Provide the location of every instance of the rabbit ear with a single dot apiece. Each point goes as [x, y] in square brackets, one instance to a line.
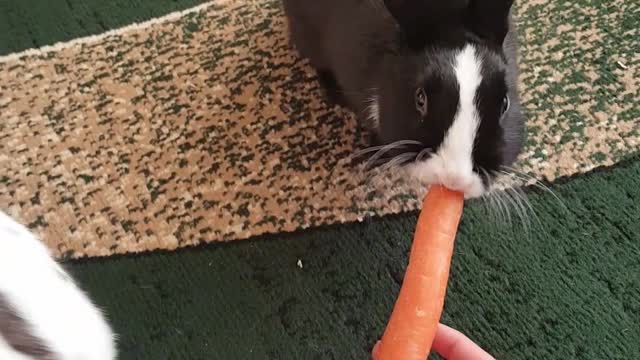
[424, 21]
[489, 19]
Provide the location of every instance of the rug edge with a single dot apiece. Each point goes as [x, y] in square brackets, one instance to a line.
[61, 45]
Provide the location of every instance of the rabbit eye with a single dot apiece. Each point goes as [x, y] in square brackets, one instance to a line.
[421, 101]
[505, 105]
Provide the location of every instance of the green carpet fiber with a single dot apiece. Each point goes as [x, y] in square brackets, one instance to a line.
[34, 23]
[569, 289]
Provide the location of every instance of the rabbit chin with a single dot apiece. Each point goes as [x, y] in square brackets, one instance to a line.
[433, 171]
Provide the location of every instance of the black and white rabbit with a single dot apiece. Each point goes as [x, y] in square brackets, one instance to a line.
[43, 313]
[434, 81]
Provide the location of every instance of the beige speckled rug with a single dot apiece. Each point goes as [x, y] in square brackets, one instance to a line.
[205, 126]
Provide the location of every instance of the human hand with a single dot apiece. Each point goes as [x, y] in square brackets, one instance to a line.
[451, 344]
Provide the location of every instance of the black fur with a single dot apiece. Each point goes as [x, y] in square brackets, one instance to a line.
[392, 47]
[430, 22]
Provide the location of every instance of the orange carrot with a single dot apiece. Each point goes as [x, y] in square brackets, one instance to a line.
[415, 317]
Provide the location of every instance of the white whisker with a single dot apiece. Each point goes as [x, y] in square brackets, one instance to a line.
[528, 179]
[400, 159]
[489, 203]
[520, 210]
[368, 150]
[504, 208]
[526, 201]
[386, 148]
[423, 154]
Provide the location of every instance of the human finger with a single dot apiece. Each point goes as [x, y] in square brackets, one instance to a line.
[454, 345]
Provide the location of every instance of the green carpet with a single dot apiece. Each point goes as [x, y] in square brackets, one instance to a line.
[567, 290]
[35, 23]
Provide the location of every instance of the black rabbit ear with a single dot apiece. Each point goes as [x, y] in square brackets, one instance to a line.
[422, 20]
[490, 19]
[411, 22]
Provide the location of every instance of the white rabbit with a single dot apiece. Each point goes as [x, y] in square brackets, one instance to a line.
[43, 313]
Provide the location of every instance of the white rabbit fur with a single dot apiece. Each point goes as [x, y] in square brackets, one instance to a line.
[42, 294]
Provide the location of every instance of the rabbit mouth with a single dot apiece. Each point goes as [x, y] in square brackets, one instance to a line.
[430, 168]
[436, 170]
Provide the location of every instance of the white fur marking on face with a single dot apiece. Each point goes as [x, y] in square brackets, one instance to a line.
[457, 147]
[452, 165]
